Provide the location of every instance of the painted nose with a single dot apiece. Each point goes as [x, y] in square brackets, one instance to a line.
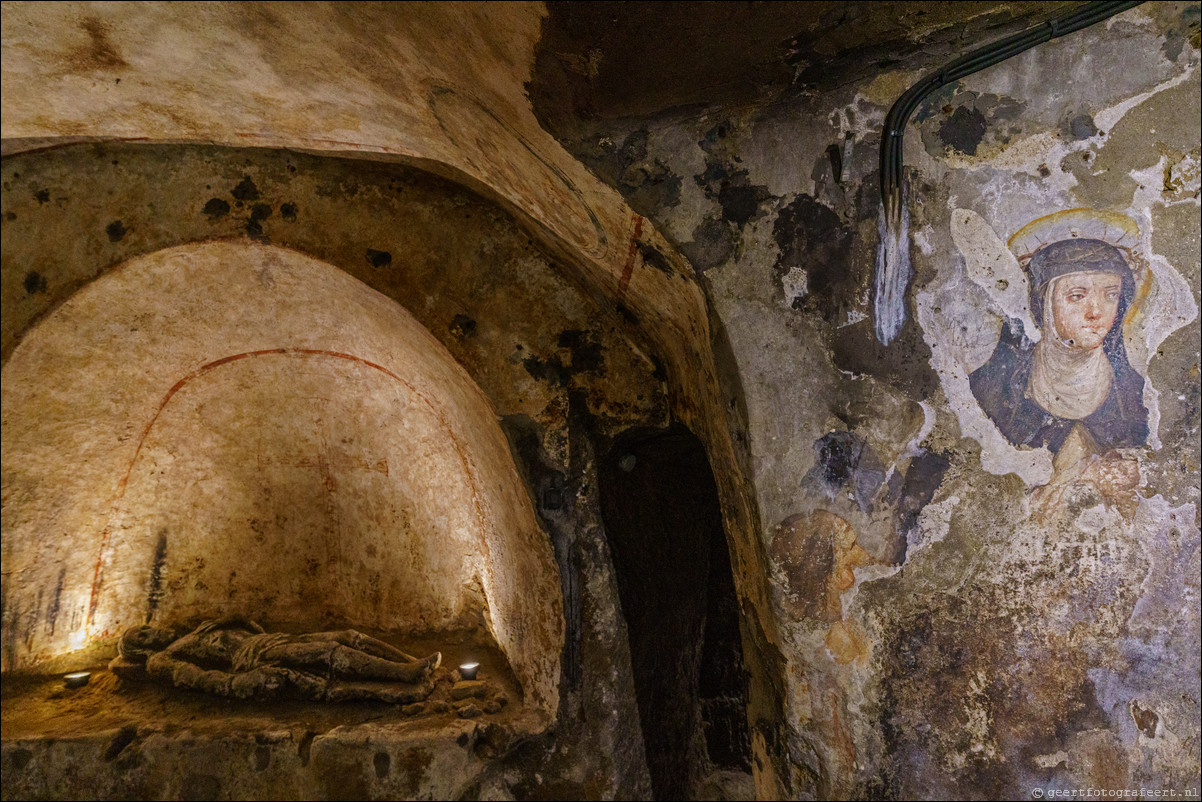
[1093, 309]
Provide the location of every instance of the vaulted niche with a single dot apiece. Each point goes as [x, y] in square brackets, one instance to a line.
[229, 427]
[663, 520]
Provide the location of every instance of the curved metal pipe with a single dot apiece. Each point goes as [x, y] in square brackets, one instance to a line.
[895, 122]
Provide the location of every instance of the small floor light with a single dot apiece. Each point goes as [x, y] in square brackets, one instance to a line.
[468, 670]
[77, 679]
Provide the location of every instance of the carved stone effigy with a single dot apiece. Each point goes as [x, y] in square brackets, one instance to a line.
[237, 658]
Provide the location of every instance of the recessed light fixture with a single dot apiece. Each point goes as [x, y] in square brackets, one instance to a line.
[77, 679]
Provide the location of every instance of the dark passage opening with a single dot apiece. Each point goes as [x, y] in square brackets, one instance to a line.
[660, 506]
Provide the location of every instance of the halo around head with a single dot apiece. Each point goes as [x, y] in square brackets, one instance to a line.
[1117, 229]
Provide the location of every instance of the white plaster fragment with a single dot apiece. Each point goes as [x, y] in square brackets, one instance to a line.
[853, 316]
[993, 268]
[1051, 760]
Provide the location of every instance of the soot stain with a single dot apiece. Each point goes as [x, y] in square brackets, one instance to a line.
[1081, 127]
[378, 259]
[462, 327]
[116, 231]
[963, 130]
[586, 351]
[34, 282]
[550, 370]
[99, 53]
[730, 186]
[845, 461]
[154, 590]
[246, 190]
[216, 208]
[288, 212]
[653, 258]
[254, 225]
[646, 183]
[712, 244]
[55, 603]
[810, 235]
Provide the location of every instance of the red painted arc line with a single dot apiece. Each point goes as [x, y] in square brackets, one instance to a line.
[628, 268]
[119, 494]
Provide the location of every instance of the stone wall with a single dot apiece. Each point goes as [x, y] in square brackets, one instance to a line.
[961, 615]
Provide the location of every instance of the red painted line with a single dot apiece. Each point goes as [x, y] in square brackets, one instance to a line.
[628, 268]
[106, 535]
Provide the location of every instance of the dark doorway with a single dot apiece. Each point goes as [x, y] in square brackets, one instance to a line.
[660, 506]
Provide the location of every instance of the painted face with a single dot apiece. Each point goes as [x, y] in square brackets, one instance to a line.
[1084, 306]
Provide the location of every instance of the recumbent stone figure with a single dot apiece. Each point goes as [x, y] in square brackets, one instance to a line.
[235, 657]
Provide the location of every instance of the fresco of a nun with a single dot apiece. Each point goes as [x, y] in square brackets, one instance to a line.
[1075, 385]
[1042, 344]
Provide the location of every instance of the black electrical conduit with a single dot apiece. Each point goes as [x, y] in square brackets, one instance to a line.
[977, 60]
[893, 255]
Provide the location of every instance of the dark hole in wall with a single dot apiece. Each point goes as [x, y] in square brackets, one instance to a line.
[659, 503]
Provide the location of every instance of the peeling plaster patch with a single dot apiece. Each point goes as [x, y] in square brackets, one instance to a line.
[964, 123]
[1006, 195]
[885, 89]
[846, 464]
[979, 725]
[1047, 148]
[1106, 119]
[1146, 719]
[1167, 592]
[922, 238]
[796, 284]
[913, 448]
[1092, 521]
[1171, 304]
[933, 524]
[865, 115]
